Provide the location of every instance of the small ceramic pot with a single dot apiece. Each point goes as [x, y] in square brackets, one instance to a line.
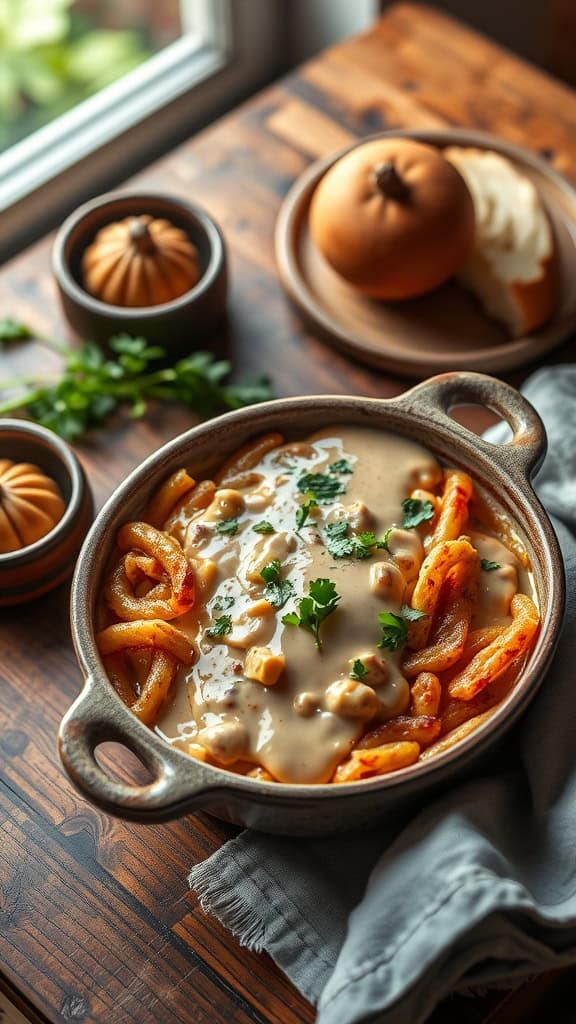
[33, 570]
[179, 326]
[181, 784]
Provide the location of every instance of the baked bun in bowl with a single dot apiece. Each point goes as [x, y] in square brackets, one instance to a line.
[394, 218]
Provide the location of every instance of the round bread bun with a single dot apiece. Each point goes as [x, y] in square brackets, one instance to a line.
[394, 218]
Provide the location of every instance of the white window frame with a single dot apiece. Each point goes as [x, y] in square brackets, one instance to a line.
[233, 49]
[180, 66]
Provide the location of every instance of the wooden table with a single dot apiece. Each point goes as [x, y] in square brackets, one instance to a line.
[96, 920]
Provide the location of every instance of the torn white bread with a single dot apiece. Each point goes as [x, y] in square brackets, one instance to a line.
[512, 271]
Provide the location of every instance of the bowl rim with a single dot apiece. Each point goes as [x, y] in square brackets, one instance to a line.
[74, 291]
[219, 780]
[70, 462]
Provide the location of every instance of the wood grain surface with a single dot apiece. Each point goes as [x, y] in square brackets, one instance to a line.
[96, 920]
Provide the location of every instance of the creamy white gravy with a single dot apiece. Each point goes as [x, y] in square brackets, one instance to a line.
[287, 728]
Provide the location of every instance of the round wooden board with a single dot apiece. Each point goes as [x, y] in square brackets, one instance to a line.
[446, 329]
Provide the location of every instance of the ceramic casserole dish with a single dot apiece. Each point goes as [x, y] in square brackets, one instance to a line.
[181, 784]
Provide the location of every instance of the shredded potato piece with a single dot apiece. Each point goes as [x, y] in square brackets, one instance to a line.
[140, 567]
[450, 630]
[479, 638]
[455, 712]
[156, 688]
[433, 572]
[453, 516]
[120, 678]
[451, 738]
[363, 764]
[497, 522]
[148, 633]
[186, 509]
[426, 692]
[162, 503]
[130, 605]
[246, 458]
[489, 664]
[153, 692]
[421, 729]
[166, 600]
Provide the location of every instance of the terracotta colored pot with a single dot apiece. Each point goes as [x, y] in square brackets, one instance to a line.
[181, 325]
[33, 570]
[181, 784]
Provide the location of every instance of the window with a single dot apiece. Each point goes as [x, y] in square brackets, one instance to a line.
[56, 55]
[105, 86]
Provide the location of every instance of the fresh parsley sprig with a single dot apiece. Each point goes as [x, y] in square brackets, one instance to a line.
[416, 512]
[277, 591]
[489, 566]
[303, 511]
[342, 544]
[367, 542]
[337, 539]
[221, 627]
[322, 601]
[94, 384]
[358, 670]
[228, 527]
[325, 489]
[263, 527]
[395, 627]
[222, 604]
[340, 466]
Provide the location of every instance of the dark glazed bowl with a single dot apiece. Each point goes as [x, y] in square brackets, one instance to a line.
[37, 568]
[180, 325]
[181, 784]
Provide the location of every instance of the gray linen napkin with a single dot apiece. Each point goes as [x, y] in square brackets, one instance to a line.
[478, 887]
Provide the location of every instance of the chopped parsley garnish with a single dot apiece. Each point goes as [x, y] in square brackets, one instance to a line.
[341, 466]
[314, 609]
[271, 572]
[367, 541]
[221, 627]
[222, 604]
[228, 526]
[263, 527]
[277, 591]
[325, 489]
[358, 670]
[303, 511]
[341, 544]
[416, 512]
[489, 566]
[394, 631]
[395, 627]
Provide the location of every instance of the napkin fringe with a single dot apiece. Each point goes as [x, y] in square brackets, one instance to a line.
[231, 910]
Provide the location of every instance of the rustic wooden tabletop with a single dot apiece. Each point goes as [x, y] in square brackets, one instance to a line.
[96, 920]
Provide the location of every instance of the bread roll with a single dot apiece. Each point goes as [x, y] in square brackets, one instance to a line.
[393, 217]
[513, 268]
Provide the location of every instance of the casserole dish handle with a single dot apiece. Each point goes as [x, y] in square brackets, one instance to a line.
[97, 716]
[522, 455]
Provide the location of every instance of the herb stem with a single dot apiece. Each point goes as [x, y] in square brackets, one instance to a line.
[14, 404]
[56, 346]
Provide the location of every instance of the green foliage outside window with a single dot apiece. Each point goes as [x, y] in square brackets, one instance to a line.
[53, 57]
